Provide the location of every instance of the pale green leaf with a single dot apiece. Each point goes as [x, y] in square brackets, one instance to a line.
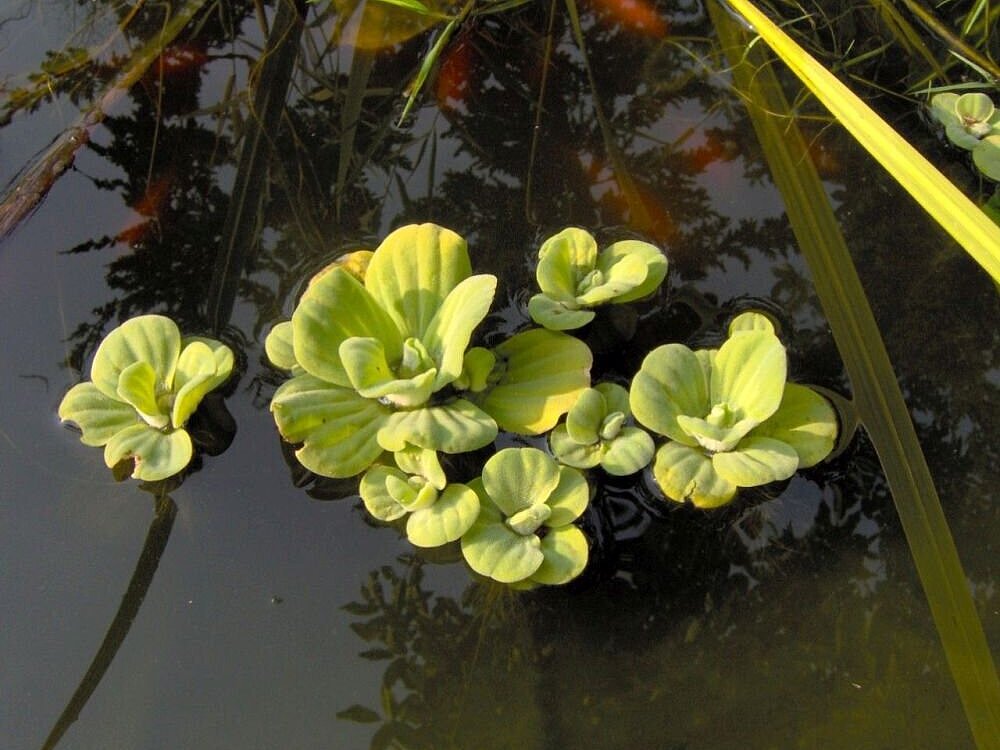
[152, 339]
[455, 427]
[157, 455]
[583, 421]
[974, 106]
[137, 386]
[97, 415]
[201, 368]
[544, 372]
[756, 461]
[528, 520]
[653, 259]
[337, 427]
[961, 137]
[716, 437]
[563, 260]
[413, 271]
[618, 277]
[564, 556]
[517, 478]
[477, 366]
[279, 347]
[364, 361]
[751, 321]
[555, 315]
[493, 550]
[333, 309]
[453, 514]
[986, 156]
[685, 473]
[569, 452]
[569, 498]
[943, 108]
[748, 374]
[615, 398]
[450, 330]
[631, 451]
[421, 462]
[376, 496]
[806, 421]
[671, 382]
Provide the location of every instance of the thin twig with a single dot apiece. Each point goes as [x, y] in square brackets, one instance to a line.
[34, 182]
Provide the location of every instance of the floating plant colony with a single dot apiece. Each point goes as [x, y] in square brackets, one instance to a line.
[384, 384]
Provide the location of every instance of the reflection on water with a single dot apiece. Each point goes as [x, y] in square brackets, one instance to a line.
[790, 619]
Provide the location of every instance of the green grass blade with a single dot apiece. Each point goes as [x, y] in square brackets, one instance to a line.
[879, 401]
[426, 66]
[958, 215]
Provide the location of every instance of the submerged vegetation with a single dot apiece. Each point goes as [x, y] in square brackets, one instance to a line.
[424, 389]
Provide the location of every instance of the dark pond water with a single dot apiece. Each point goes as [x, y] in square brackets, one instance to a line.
[275, 614]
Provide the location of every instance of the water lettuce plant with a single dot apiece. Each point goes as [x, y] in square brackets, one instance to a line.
[730, 417]
[436, 512]
[146, 380]
[595, 433]
[971, 121]
[524, 533]
[372, 347]
[574, 277]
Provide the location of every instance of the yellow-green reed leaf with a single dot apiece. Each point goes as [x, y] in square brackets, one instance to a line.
[956, 214]
[426, 66]
[412, 5]
[880, 403]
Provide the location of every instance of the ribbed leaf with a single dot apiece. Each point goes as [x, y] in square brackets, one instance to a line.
[879, 401]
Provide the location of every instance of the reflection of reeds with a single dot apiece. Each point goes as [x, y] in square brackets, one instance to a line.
[142, 577]
[34, 182]
[879, 401]
[239, 235]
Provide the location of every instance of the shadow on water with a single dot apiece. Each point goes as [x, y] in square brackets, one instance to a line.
[788, 619]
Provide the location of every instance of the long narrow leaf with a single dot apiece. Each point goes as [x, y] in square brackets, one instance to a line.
[879, 401]
[958, 215]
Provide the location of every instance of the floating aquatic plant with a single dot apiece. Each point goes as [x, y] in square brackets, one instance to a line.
[536, 377]
[373, 344]
[145, 382]
[971, 121]
[595, 433]
[574, 277]
[524, 533]
[436, 512]
[731, 418]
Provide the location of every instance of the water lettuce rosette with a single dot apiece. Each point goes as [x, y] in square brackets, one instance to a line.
[574, 277]
[373, 350]
[145, 383]
[596, 432]
[972, 122]
[416, 488]
[524, 533]
[730, 417]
